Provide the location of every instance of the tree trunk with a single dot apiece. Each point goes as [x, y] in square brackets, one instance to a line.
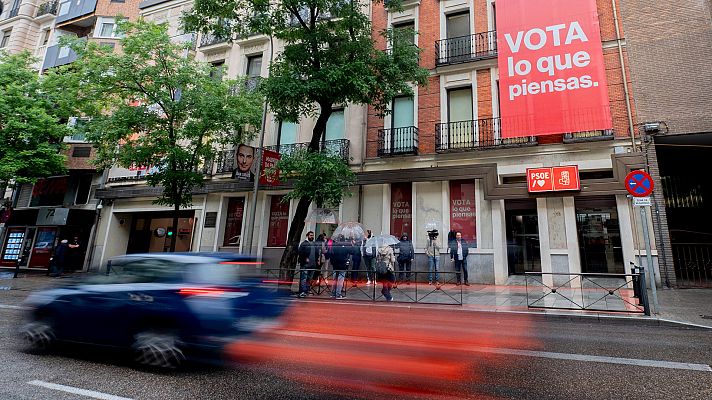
[174, 238]
[288, 263]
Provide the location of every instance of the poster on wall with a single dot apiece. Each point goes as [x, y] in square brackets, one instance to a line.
[245, 168]
[402, 209]
[233, 223]
[278, 222]
[463, 216]
[269, 160]
[551, 68]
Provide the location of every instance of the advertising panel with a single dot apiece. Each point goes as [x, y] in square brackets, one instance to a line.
[278, 222]
[402, 209]
[462, 209]
[551, 68]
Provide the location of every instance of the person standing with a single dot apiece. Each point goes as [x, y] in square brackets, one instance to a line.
[308, 254]
[405, 258]
[60, 258]
[369, 254]
[340, 250]
[355, 259]
[385, 270]
[459, 250]
[432, 250]
[74, 259]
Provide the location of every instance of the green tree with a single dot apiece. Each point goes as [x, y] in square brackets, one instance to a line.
[162, 108]
[330, 58]
[32, 122]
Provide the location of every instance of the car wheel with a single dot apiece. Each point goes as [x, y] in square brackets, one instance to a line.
[160, 349]
[39, 336]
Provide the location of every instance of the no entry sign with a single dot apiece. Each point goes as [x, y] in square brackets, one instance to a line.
[639, 183]
[553, 179]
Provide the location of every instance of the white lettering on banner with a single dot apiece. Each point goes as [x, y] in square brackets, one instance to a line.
[536, 39]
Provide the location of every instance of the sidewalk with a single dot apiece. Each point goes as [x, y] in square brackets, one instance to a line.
[690, 306]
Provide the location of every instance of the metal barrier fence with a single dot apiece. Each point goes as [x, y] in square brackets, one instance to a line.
[323, 281]
[588, 291]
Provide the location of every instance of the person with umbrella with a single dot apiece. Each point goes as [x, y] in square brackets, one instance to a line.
[339, 255]
[405, 258]
[369, 254]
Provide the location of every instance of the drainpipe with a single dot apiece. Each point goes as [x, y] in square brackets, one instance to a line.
[624, 75]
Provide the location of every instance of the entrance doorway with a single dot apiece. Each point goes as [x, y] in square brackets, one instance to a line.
[523, 248]
[599, 235]
[152, 232]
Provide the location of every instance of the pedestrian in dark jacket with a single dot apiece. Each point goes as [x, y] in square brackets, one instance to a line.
[405, 258]
[308, 255]
[60, 258]
[459, 249]
[339, 256]
[355, 259]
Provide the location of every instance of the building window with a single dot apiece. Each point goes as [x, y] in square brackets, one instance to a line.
[83, 189]
[278, 222]
[45, 36]
[460, 128]
[64, 7]
[106, 28]
[233, 223]
[402, 209]
[406, 27]
[287, 133]
[81, 151]
[218, 67]
[254, 66]
[459, 44]
[462, 210]
[5, 38]
[335, 127]
[63, 52]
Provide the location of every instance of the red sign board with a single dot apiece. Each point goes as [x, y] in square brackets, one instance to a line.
[639, 183]
[278, 222]
[462, 209]
[552, 72]
[269, 160]
[553, 179]
[401, 209]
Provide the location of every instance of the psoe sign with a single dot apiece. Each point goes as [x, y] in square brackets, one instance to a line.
[553, 179]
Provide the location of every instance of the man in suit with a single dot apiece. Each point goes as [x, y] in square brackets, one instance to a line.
[459, 250]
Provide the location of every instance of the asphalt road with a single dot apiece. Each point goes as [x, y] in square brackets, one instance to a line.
[342, 351]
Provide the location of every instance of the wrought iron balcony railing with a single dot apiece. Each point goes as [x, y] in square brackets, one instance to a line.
[461, 49]
[210, 39]
[49, 7]
[398, 141]
[588, 136]
[338, 147]
[226, 161]
[478, 134]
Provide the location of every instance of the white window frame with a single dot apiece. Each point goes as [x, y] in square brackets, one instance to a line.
[106, 20]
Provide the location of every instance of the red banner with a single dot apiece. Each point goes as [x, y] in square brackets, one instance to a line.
[462, 209]
[278, 222]
[269, 160]
[553, 179]
[552, 72]
[402, 209]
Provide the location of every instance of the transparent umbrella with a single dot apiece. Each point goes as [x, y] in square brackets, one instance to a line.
[322, 216]
[350, 230]
[379, 241]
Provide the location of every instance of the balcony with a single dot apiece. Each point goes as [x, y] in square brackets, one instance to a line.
[588, 136]
[74, 10]
[337, 147]
[58, 55]
[210, 40]
[226, 162]
[47, 9]
[398, 141]
[479, 134]
[462, 49]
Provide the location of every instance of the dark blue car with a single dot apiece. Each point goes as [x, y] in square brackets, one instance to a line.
[165, 308]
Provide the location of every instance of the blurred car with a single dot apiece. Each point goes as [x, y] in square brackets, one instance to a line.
[165, 308]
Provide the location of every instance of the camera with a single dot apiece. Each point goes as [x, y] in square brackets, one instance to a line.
[433, 234]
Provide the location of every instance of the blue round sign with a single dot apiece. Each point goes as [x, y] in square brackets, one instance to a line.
[639, 183]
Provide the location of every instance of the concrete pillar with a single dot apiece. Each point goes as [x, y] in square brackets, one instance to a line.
[544, 244]
[499, 231]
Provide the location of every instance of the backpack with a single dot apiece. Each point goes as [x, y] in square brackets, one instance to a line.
[381, 265]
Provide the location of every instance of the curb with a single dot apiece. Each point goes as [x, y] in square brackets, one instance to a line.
[563, 316]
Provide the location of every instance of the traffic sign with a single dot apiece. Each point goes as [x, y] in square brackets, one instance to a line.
[642, 202]
[639, 183]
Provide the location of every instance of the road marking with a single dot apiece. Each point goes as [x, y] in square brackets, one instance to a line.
[74, 390]
[11, 307]
[519, 352]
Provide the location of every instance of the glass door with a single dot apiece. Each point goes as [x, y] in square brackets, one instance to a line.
[599, 240]
[523, 248]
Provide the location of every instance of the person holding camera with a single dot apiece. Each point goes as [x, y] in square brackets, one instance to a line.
[432, 250]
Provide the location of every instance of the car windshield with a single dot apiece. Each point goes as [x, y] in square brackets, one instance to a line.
[141, 271]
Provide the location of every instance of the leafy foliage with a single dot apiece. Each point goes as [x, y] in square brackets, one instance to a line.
[33, 122]
[161, 108]
[317, 176]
